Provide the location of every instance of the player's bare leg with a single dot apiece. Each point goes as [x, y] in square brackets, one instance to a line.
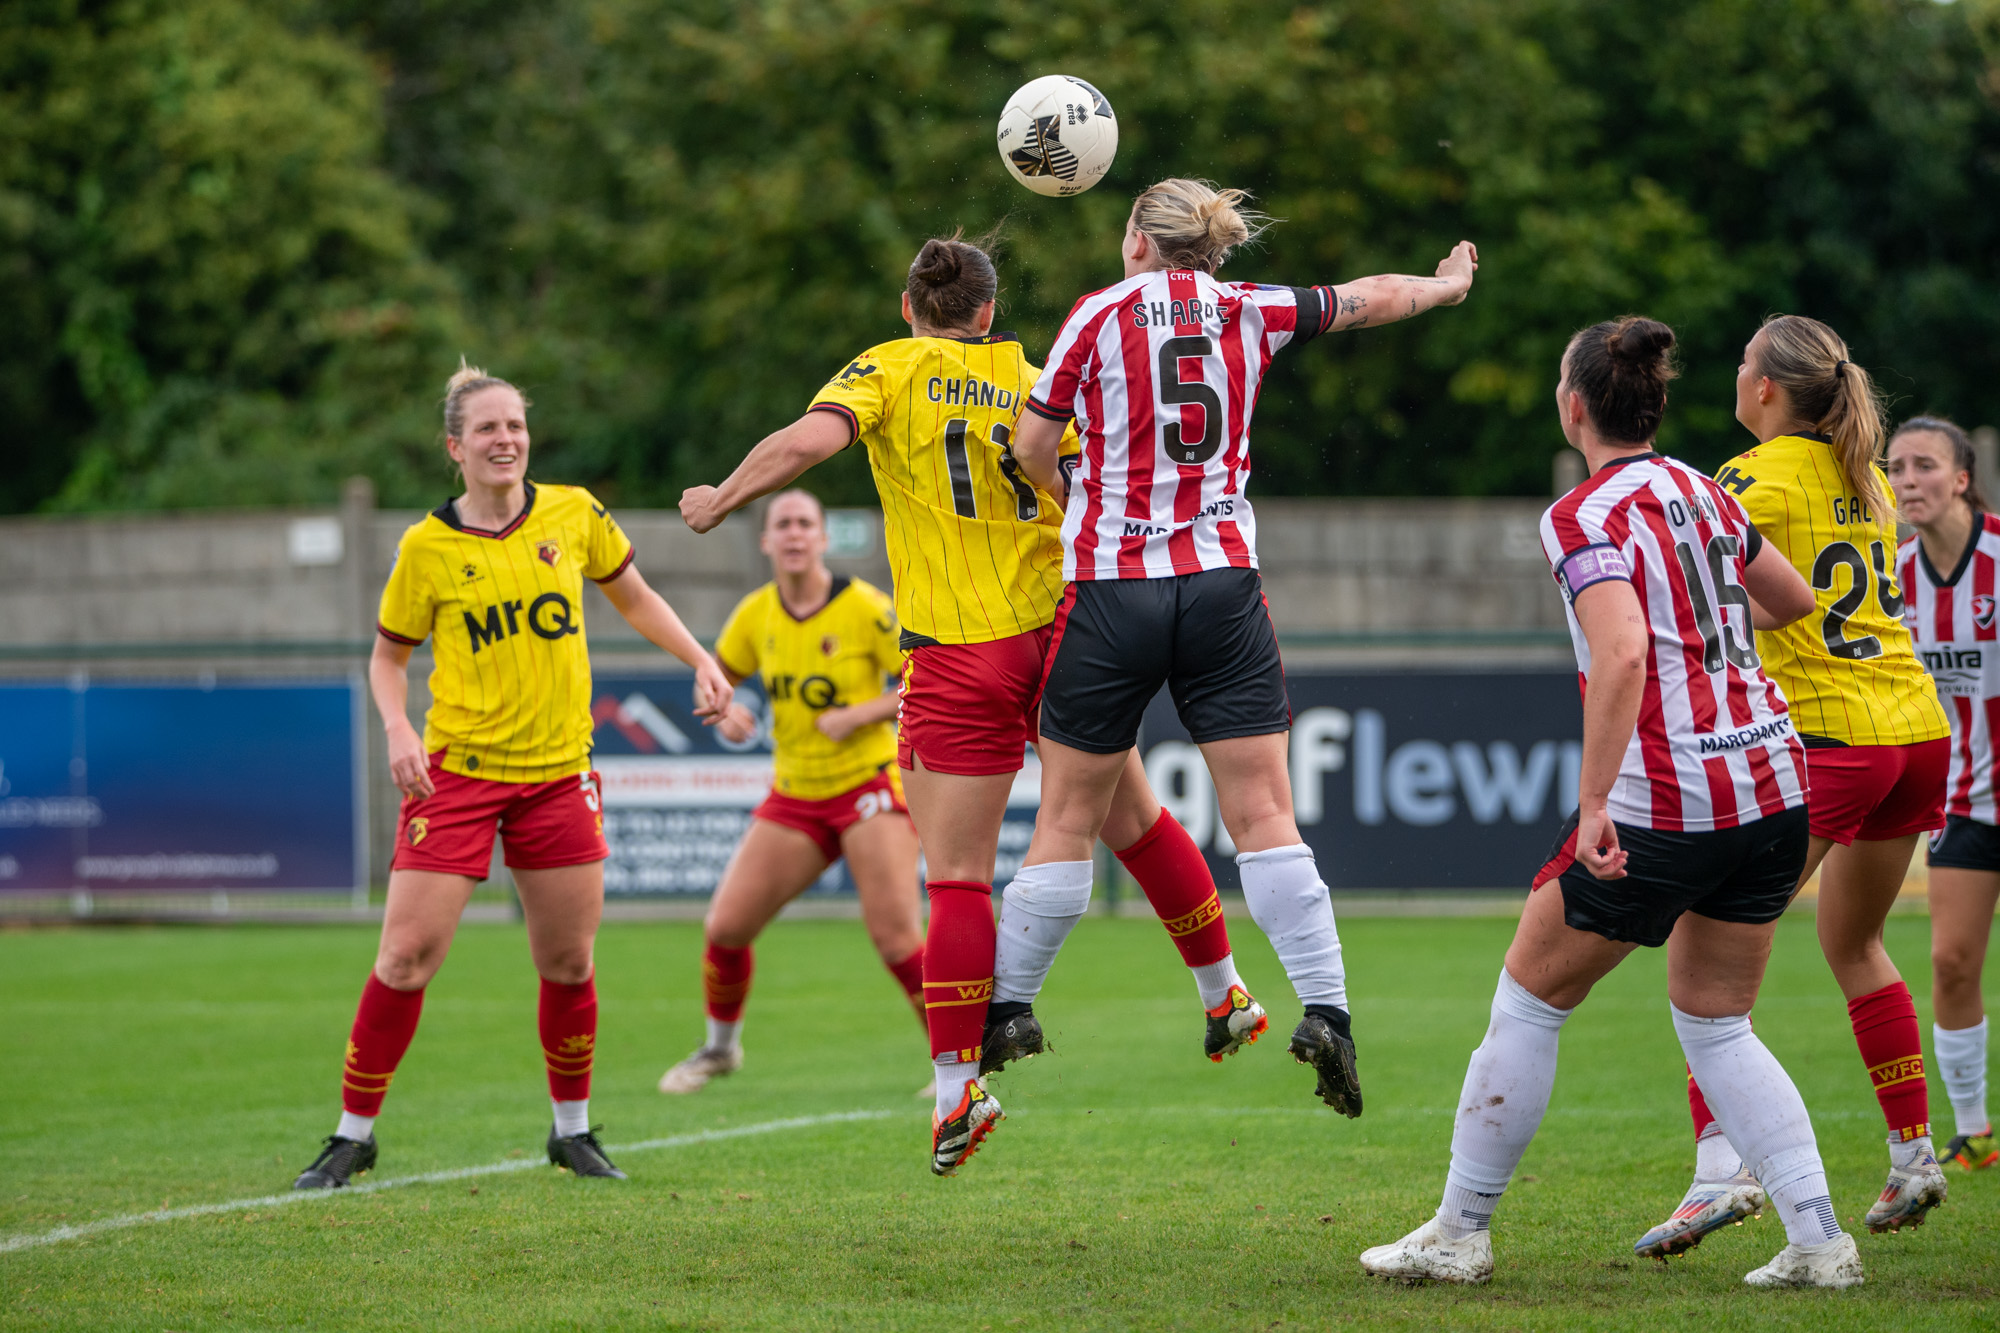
[1962, 905]
[881, 855]
[772, 865]
[957, 819]
[1858, 886]
[1289, 902]
[563, 906]
[418, 923]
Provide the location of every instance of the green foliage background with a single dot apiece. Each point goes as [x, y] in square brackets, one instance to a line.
[242, 244]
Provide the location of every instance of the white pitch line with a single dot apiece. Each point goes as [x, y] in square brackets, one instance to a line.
[29, 1240]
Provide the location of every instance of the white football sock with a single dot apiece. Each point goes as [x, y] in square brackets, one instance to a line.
[1915, 1152]
[360, 1128]
[1506, 1093]
[951, 1077]
[572, 1118]
[1715, 1157]
[1213, 980]
[1961, 1059]
[1037, 910]
[1760, 1109]
[723, 1036]
[1289, 902]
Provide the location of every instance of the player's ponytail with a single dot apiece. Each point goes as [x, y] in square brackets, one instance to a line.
[464, 382]
[1809, 362]
[1193, 225]
[1621, 369]
[1964, 458]
[950, 279]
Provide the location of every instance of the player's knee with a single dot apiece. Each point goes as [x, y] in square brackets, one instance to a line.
[726, 934]
[1952, 966]
[407, 967]
[570, 967]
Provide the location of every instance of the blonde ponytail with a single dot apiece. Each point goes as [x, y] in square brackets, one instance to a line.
[1809, 362]
[1193, 225]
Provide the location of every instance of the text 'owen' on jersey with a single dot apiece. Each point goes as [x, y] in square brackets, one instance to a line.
[1161, 374]
[1714, 746]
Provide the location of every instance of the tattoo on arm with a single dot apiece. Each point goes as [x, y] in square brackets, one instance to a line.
[1350, 304]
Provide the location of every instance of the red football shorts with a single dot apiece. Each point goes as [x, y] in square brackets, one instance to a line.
[1873, 793]
[970, 708]
[542, 825]
[825, 820]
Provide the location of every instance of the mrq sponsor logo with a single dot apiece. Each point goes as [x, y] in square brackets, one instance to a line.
[1346, 765]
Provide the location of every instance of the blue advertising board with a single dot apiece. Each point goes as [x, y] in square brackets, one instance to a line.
[1411, 780]
[237, 785]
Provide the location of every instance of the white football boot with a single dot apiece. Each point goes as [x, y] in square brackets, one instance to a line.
[1833, 1263]
[693, 1073]
[1707, 1206]
[1910, 1194]
[1428, 1255]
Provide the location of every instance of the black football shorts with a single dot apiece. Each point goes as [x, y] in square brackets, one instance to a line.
[1966, 844]
[1746, 874]
[1207, 637]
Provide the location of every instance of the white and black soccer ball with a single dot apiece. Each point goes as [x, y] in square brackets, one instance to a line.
[1058, 135]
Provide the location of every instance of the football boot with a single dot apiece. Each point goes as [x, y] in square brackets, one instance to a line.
[581, 1154]
[693, 1073]
[954, 1138]
[1972, 1152]
[1910, 1193]
[1833, 1263]
[1012, 1033]
[340, 1161]
[1324, 1041]
[1233, 1024]
[1428, 1255]
[1709, 1205]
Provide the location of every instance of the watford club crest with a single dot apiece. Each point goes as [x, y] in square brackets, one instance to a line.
[549, 553]
[1982, 610]
[829, 645]
[419, 828]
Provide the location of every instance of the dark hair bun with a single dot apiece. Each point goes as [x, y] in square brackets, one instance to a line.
[1639, 340]
[938, 264]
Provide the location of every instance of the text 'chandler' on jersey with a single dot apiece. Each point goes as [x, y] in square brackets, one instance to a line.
[1161, 374]
[974, 548]
[1847, 669]
[510, 694]
[841, 654]
[1951, 618]
[1714, 747]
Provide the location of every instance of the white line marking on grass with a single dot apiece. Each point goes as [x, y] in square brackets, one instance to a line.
[29, 1240]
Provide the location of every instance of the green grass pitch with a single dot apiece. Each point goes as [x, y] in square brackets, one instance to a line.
[1133, 1186]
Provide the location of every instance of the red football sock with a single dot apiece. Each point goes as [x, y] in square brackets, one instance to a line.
[1885, 1028]
[958, 966]
[569, 1037]
[383, 1025]
[725, 981]
[909, 973]
[1698, 1107]
[1174, 875]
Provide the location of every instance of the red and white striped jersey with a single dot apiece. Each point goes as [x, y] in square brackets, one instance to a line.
[1951, 619]
[1161, 374]
[1714, 746]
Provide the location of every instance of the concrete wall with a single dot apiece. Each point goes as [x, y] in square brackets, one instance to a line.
[293, 593]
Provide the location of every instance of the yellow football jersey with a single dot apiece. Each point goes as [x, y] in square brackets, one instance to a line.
[975, 549]
[1848, 669]
[510, 694]
[841, 654]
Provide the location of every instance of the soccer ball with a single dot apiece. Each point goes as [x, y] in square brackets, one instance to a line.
[1058, 135]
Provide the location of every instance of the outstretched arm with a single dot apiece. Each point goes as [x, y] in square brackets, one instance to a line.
[778, 460]
[646, 611]
[1388, 297]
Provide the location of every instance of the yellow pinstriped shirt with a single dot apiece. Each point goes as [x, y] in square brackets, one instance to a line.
[975, 549]
[1848, 669]
[841, 654]
[510, 694]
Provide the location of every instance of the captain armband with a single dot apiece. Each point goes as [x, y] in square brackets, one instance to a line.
[1593, 564]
